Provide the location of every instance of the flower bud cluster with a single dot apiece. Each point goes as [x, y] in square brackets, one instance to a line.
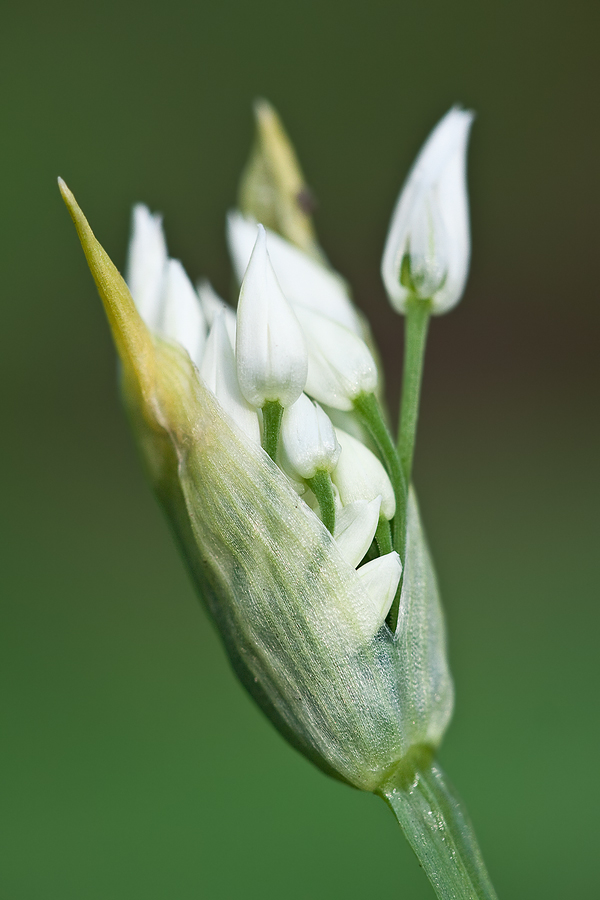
[264, 438]
[297, 347]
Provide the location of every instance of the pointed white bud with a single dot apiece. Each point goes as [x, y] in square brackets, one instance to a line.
[271, 353]
[360, 476]
[182, 318]
[212, 305]
[308, 438]
[146, 261]
[355, 527]
[218, 372]
[379, 580]
[428, 245]
[303, 280]
[340, 365]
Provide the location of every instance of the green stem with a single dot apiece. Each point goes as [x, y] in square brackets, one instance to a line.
[322, 488]
[368, 408]
[415, 336]
[272, 413]
[437, 827]
[383, 537]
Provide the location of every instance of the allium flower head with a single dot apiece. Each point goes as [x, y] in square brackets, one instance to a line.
[263, 436]
[305, 627]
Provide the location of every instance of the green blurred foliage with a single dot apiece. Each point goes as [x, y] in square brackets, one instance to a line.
[131, 763]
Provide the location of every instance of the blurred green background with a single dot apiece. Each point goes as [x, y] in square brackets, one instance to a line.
[132, 765]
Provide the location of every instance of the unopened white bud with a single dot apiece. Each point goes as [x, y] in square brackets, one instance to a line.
[340, 365]
[218, 372]
[359, 475]
[182, 318]
[308, 438]
[355, 527]
[146, 261]
[303, 280]
[271, 353]
[428, 245]
[379, 580]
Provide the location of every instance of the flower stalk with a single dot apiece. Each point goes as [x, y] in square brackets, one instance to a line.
[322, 488]
[437, 827]
[368, 408]
[418, 313]
[272, 414]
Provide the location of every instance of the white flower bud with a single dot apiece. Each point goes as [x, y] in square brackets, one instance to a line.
[355, 527]
[271, 353]
[340, 365]
[218, 371]
[303, 280]
[308, 438]
[182, 318]
[146, 261]
[428, 245]
[212, 305]
[379, 579]
[360, 476]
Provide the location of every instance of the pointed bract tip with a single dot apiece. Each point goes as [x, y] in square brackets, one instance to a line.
[74, 209]
[131, 336]
[262, 108]
[65, 192]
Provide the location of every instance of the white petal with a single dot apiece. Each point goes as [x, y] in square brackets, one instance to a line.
[355, 527]
[308, 438]
[340, 365]
[379, 579]
[454, 206]
[146, 261]
[271, 353]
[303, 280]
[359, 475]
[432, 209]
[212, 305]
[182, 316]
[218, 372]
